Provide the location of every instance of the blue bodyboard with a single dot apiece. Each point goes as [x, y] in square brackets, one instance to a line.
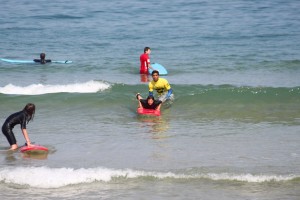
[32, 62]
[161, 69]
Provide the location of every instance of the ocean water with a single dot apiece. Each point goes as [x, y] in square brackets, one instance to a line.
[232, 132]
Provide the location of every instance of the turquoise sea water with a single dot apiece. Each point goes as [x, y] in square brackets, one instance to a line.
[232, 131]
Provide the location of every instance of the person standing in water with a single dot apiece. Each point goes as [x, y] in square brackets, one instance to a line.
[22, 117]
[145, 61]
[161, 86]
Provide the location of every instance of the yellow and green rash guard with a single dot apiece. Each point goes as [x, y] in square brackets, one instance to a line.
[161, 86]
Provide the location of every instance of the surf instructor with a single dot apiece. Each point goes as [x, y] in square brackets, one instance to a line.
[145, 61]
[22, 117]
[161, 86]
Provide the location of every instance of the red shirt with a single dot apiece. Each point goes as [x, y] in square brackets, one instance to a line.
[145, 61]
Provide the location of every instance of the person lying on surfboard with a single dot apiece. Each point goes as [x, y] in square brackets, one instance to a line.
[161, 86]
[22, 117]
[149, 103]
[42, 59]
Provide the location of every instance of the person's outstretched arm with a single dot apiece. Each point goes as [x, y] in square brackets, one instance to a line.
[24, 131]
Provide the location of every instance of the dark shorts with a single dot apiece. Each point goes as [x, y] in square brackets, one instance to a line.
[7, 131]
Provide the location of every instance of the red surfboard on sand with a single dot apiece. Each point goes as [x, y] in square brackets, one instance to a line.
[144, 111]
[34, 149]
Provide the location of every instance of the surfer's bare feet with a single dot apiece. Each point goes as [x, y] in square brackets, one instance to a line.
[13, 147]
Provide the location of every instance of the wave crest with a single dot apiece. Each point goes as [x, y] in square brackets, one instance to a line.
[60, 177]
[38, 89]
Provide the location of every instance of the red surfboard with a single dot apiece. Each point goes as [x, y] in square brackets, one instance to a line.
[144, 111]
[34, 149]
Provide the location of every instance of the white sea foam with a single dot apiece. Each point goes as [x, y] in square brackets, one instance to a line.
[250, 177]
[38, 89]
[60, 177]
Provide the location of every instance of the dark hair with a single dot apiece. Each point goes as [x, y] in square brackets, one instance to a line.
[150, 97]
[42, 55]
[155, 72]
[146, 49]
[30, 110]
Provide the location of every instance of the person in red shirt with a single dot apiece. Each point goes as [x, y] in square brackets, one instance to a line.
[145, 61]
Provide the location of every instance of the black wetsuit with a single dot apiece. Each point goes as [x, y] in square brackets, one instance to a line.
[42, 62]
[145, 104]
[14, 119]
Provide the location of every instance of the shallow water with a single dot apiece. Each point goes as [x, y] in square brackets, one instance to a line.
[232, 131]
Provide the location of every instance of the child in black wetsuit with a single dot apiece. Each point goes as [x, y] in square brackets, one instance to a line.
[22, 118]
[149, 103]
